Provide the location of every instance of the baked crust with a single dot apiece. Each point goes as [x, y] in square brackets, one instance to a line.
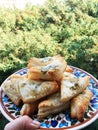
[69, 69]
[31, 91]
[48, 68]
[51, 105]
[11, 92]
[79, 104]
[49, 87]
[28, 90]
[72, 86]
[29, 109]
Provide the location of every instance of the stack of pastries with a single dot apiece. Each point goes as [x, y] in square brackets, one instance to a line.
[49, 87]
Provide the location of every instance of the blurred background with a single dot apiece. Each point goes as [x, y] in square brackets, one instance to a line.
[30, 28]
[20, 4]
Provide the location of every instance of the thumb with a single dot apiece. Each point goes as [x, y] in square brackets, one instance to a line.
[29, 124]
[23, 123]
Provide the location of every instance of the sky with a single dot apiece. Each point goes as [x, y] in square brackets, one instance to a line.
[36, 1]
[19, 3]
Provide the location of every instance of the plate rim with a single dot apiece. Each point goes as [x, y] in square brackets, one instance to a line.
[85, 123]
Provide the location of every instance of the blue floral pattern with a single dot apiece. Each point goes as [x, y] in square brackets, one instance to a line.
[61, 120]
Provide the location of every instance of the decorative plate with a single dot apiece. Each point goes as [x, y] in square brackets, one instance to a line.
[61, 121]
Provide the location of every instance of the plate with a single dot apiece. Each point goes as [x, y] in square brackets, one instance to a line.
[59, 121]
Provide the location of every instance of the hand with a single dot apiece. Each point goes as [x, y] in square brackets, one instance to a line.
[23, 123]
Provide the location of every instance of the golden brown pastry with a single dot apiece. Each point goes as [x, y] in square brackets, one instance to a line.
[51, 105]
[69, 69]
[72, 86]
[31, 91]
[50, 78]
[29, 109]
[48, 68]
[16, 79]
[79, 104]
[11, 92]
[28, 90]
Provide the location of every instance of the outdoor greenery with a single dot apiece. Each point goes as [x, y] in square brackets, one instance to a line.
[66, 27]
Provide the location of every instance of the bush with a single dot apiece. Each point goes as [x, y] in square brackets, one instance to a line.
[57, 27]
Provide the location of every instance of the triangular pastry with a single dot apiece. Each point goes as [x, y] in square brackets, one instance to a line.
[32, 90]
[51, 105]
[72, 86]
[29, 109]
[11, 92]
[48, 68]
[79, 104]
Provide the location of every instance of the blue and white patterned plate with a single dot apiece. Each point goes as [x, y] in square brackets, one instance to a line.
[60, 121]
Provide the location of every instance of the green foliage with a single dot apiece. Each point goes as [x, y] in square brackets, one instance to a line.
[66, 27]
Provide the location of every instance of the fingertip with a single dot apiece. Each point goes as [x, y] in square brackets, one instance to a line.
[36, 122]
[35, 126]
